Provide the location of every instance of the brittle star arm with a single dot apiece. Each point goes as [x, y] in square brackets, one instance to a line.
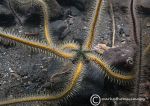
[69, 46]
[113, 23]
[47, 34]
[77, 72]
[109, 72]
[37, 45]
[90, 38]
[44, 8]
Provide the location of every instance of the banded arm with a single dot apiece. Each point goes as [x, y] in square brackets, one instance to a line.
[109, 72]
[68, 89]
[91, 34]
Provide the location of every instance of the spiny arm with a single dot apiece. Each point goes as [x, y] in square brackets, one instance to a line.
[68, 89]
[90, 38]
[36, 45]
[43, 6]
[70, 46]
[110, 73]
[113, 23]
[47, 34]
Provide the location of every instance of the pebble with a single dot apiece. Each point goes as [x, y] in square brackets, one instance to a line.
[74, 11]
[11, 70]
[58, 27]
[148, 24]
[145, 4]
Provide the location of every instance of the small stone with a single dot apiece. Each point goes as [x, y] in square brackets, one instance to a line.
[7, 19]
[85, 28]
[11, 70]
[148, 24]
[144, 6]
[58, 27]
[74, 11]
[41, 67]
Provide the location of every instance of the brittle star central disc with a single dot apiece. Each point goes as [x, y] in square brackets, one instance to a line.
[81, 55]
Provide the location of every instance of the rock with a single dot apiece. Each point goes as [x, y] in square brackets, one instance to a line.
[144, 6]
[33, 20]
[58, 28]
[55, 9]
[10, 14]
[71, 11]
[74, 30]
[2, 1]
[146, 22]
[4, 10]
[74, 11]
[145, 3]
[121, 57]
[6, 17]
[119, 6]
[80, 4]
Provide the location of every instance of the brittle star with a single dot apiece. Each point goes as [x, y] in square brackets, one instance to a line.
[69, 51]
